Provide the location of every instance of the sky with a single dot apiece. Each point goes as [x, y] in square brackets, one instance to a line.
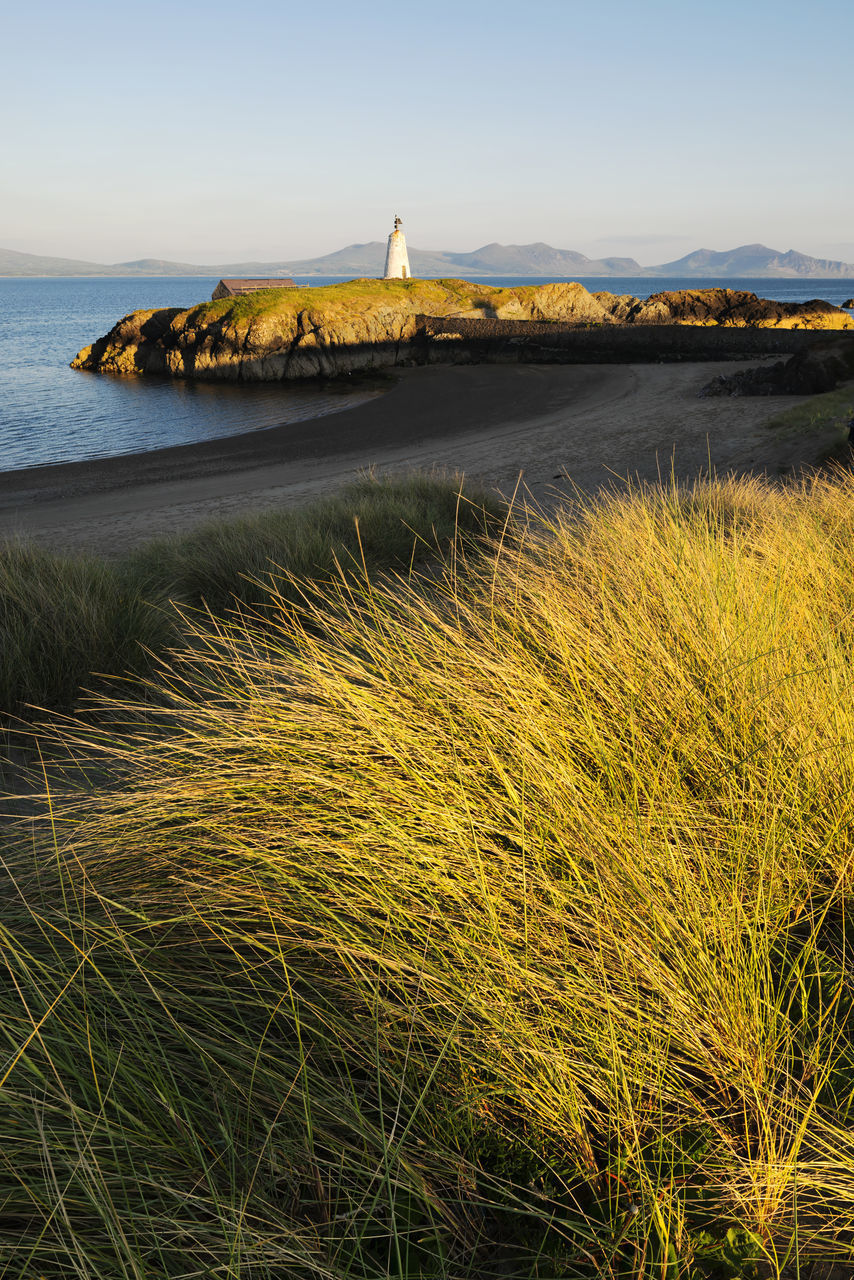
[271, 131]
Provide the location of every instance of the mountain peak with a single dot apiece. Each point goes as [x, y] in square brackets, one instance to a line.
[513, 261]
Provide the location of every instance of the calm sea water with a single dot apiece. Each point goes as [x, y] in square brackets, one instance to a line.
[50, 413]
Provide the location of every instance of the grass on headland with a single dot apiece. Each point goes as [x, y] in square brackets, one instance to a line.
[499, 931]
[67, 621]
[440, 296]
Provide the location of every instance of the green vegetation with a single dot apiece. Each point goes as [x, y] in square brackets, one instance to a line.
[491, 925]
[435, 297]
[371, 524]
[63, 618]
[354, 297]
[831, 410]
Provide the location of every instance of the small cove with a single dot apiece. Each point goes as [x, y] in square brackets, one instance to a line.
[50, 413]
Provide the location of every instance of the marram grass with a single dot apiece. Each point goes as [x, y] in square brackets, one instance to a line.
[67, 621]
[64, 622]
[495, 926]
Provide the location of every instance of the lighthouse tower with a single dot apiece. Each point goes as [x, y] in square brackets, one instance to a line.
[396, 257]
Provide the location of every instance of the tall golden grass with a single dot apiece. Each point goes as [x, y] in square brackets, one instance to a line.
[490, 925]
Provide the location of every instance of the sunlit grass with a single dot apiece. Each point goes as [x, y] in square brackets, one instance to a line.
[490, 925]
[434, 297]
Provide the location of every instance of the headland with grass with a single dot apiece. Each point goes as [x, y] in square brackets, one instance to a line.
[457, 894]
[276, 334]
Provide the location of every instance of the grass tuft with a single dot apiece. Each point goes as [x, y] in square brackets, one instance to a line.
[64, 622]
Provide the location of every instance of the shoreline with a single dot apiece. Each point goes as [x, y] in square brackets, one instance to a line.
[553, 426]
[718, 281]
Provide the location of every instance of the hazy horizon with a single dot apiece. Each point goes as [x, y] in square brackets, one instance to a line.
[644, 132]
[227, 259]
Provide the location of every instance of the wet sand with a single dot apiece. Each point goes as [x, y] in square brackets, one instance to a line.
[553, 427]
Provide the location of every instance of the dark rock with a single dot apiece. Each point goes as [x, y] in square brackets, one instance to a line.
[735, 308]
[810, 372]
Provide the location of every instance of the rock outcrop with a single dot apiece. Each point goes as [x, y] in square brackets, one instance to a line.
[810, 372]
[732, 308]
[301, 333]
[620, 306]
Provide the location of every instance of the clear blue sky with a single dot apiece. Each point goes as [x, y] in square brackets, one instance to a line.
[221, 131]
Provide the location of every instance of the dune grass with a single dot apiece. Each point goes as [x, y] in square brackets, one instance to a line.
[64, 622]
[389, 523]
[499, 928]
[68, 621]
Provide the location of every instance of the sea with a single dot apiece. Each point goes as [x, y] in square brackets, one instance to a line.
[50, 413]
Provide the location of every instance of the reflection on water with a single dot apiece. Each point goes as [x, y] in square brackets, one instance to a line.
[133, 415]
[50, 413]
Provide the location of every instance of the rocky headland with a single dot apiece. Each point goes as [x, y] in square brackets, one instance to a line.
[274, 335]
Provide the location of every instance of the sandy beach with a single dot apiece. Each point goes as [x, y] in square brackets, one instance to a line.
[550, 427]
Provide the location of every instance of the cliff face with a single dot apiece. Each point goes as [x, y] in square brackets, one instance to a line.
[301, 333]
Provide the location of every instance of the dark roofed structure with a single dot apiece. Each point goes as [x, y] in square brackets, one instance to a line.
[234, 288]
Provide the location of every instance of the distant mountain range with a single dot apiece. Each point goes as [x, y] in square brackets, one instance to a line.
[492, 260]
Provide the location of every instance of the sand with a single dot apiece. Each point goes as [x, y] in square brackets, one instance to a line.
[549, 427]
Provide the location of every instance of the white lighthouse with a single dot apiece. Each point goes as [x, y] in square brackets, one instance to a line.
[396, 257]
